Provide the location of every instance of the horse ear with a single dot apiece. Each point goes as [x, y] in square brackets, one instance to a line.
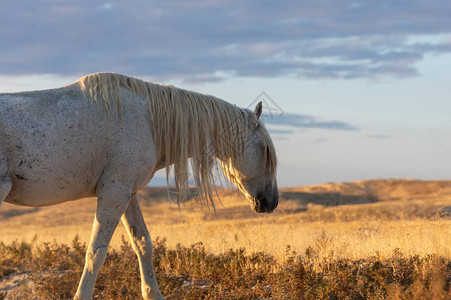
[258, 112]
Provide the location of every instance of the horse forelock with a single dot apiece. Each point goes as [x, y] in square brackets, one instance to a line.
[189, 128]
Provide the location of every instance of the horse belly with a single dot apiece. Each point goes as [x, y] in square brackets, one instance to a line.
[56, 153]
[53, 181]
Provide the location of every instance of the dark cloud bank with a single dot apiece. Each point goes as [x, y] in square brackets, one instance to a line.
[206, 40]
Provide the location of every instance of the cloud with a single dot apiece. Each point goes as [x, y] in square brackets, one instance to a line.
[379, 136]
[280, 131]
[303, 121]
[202, 40]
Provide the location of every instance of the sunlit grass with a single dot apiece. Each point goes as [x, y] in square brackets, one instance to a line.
[52, 271]
[395, 247]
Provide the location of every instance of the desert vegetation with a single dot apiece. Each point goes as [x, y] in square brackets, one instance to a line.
[192, 272]
[385, 239]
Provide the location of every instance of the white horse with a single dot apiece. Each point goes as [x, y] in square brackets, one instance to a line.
[107, 134]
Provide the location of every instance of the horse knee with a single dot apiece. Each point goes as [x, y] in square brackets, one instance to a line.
[96, 257]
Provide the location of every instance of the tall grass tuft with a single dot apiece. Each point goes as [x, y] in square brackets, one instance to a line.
[52, 271]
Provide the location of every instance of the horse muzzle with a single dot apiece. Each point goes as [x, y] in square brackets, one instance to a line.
[264, 204]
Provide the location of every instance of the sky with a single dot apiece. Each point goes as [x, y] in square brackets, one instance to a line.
[351, 90]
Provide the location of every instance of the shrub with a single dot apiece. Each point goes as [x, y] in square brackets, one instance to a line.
[193, 273]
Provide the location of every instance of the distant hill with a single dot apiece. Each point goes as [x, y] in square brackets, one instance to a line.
[369, 191]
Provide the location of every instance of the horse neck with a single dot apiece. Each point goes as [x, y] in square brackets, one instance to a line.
[192, 125]
[218, 144]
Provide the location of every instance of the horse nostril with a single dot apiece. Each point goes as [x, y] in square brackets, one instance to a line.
[264, 204]
[260, 202]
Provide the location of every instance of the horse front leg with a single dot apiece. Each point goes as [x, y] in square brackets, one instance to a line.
[111, 203]
[142, 244]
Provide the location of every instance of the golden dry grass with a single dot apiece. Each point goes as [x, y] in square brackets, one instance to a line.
[351, 220]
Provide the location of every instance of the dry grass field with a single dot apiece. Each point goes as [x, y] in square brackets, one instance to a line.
[356, 222]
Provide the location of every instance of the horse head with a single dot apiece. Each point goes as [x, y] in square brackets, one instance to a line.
[255, 173]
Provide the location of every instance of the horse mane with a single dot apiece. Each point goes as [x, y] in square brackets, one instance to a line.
[190, 129]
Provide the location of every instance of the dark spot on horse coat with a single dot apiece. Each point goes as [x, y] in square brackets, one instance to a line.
[20, 177]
